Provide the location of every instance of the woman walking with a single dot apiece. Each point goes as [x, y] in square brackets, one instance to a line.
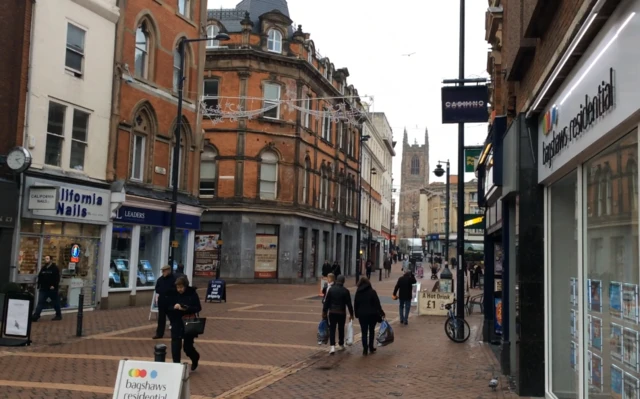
[184, 305]
[369, 312]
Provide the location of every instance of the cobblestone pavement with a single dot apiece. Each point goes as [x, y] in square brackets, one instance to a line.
[261, 344]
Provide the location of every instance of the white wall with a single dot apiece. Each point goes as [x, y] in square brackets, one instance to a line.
[50, 80]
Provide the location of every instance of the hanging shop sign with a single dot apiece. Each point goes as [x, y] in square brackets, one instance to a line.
[152, 217]
[465, 104]
[558, 137]
[471, 156]
[473, 221]
[48, 199]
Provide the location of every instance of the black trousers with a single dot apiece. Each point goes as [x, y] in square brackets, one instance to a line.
[162, 319]
[189, 348]
[336, 320]
[367, 328]
[369, 273]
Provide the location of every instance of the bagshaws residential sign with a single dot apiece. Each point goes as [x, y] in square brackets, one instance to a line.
[595, 107]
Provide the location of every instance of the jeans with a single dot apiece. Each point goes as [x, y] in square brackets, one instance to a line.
[337, 320]
[42, 299]
[368, 327]
[405, 307]
[189, 348]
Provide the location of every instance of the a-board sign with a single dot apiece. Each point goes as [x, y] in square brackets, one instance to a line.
[415, 288]
[432, 303]
[139, 379]
[216, 291]
[154, 304]
[15, 322]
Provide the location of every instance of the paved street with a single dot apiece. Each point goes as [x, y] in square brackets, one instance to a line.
[262, 344]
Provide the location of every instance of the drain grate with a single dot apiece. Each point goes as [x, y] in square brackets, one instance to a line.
[397, 394]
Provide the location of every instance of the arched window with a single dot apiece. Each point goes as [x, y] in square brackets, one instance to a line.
[306, 181]
[632, 173]
[141, 63]
[142, 133]
[208, 172]
[415, 165]
[268, 175]
[176, 68]
[212, 31]
[274, 42]
[181, 159]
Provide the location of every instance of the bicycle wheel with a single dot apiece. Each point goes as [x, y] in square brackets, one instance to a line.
[455, 326]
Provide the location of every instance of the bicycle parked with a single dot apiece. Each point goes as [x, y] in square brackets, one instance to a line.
[457, 329]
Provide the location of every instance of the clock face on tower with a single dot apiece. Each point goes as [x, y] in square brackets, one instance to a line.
[19, 159]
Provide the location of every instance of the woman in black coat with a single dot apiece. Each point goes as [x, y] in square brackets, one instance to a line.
[184, 304]
[368, 311]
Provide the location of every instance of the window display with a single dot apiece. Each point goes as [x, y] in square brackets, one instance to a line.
[182, 236]
[120, 255]
[149, 260]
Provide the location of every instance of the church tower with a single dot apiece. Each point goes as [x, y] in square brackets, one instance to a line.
[415, 176]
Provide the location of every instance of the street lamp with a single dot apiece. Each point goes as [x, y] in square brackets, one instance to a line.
[359, 232]
[175, 167]
[438, 171]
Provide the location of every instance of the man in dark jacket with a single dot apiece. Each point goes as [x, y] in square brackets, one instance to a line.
[335, 269]
[368, 267]
[164, 285]
[48, 284]
[326, 268]
[369, 312]
[336, 302]
[405, 286]
[387, 267]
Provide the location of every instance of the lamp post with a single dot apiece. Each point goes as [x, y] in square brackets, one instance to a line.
[175, 167]
[438, 171]
[359, 232]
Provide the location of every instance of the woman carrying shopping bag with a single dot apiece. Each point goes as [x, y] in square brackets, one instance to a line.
[369, 312]
[184, 306]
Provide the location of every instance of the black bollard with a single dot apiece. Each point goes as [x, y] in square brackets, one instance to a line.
[380, 278]
[80, 315]
[160, 353]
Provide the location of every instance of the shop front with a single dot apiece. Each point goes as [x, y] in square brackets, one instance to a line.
[588, 151]
[68, 223]
[139, 246]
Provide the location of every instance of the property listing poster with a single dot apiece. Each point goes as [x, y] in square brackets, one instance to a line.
[266, 263]
[207, 255]
[615, 299]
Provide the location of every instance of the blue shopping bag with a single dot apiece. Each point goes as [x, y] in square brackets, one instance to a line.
[323, 332]
[385, 334]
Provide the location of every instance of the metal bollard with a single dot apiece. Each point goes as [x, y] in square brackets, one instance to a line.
[80, 315]
[160, 353]
[380, 277]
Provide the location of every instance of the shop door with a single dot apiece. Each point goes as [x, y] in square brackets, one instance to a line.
[29, 263]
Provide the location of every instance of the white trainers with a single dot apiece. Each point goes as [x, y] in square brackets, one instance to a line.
[340, 347]
[332, 351]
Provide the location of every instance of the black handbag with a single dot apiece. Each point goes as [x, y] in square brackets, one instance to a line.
[195, 326]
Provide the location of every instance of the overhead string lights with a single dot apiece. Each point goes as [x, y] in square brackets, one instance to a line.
[223, 108]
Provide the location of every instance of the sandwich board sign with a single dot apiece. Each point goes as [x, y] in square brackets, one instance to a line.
[140, 379]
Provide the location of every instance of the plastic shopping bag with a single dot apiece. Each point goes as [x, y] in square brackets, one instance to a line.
[323, 332]
[349, 338]
[385, 334]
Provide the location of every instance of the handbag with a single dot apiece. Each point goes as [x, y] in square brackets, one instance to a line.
[194, 326]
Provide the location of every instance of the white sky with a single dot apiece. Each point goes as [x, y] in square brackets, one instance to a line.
[369, 37]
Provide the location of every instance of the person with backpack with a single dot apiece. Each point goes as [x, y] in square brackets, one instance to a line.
[336, 303]
[369, 312]
[404, 292]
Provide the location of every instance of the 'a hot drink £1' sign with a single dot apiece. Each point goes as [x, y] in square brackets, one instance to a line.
[148, 380]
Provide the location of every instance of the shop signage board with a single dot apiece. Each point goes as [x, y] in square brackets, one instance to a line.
[465, 104]
[266, 261]
[471, 156]
[17, 308]
[600, 93]
[207, 255]
[153, 217]
[432, 303]
[53, 200]
[138, 379]
[216, 291]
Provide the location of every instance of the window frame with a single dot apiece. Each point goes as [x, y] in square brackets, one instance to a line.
[326, 125]
[274, 44]
[211, 43]
[215, 102]
[266, 101]
[59, 136]
[187, 8]
[273, 163]
[306, 120]
[143, 151]
[214, 179]
[84, 143]
[81, 52]
[180, 160]
[144, 29]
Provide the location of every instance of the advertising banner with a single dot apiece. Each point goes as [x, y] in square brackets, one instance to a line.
[498, 318]
[207, 255]
[432, 303]
[471, 154]
[266, 262]
[139, 379]
[465, 104]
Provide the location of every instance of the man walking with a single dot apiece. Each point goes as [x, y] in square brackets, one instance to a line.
[48, 284]
[164, 285]
[336, 302]
[387, 267]
[405, 286]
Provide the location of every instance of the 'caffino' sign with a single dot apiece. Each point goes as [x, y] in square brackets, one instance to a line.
[595, 107]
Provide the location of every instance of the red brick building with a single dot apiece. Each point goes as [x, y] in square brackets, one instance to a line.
[286, 170]
[142, 137]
